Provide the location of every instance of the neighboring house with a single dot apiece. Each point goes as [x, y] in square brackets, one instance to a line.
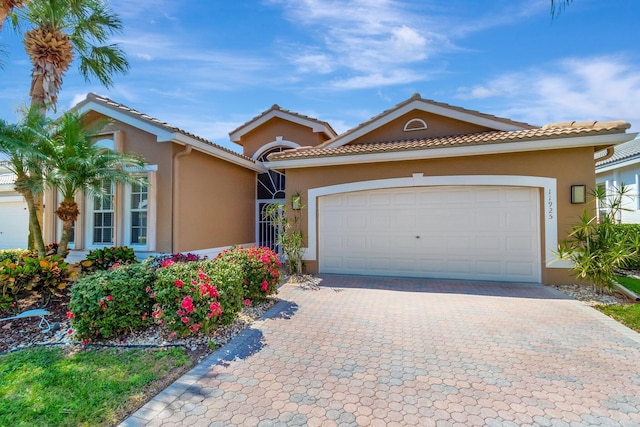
[14, 218]
[424, 189]
[622, 166]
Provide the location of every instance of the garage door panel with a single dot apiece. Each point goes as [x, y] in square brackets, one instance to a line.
[486, 233]
[14, 225]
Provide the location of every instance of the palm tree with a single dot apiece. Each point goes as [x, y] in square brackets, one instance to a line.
[7, 7]
[558, 5]
[26, 146]
[80, 165]
[60, 29]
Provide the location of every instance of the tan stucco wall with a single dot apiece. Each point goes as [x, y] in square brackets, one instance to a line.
[289, 131]
[215, 198]
[215, 203]
[436, 126]
[568, 166]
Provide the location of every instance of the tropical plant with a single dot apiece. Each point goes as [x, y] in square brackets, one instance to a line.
[594, 246]
[59, 29]
[7, 6]
[290, 238]
[558, 5]
[80, 165]
[27, 148]
[31, 275]
[105, 258]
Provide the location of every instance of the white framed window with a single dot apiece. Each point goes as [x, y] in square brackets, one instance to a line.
[101, 217]
[136, 224]
[123, 216]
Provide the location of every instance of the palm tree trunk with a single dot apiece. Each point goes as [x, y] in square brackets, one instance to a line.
[35, 231]
[67, 212]
[63, 245]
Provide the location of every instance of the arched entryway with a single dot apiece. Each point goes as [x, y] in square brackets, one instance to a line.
[270, 190]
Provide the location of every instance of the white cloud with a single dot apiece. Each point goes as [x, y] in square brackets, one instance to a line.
[369, 43]
[592, 88]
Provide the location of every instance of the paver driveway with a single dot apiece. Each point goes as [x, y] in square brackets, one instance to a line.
[368, 351]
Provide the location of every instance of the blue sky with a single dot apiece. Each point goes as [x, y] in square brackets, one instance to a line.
[213, 65]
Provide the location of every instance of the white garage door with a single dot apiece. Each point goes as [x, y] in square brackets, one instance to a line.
[476, 233]
[14, 225]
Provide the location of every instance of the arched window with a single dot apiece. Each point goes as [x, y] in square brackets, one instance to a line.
[271, 184]
[415, 124]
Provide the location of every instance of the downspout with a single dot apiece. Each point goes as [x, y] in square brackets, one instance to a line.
[175, 194]
[608, 155]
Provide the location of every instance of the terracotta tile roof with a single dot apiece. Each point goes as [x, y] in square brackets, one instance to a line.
[276, 107]
[557, 130]
[627, 151]
[134, 113]
[416, 96]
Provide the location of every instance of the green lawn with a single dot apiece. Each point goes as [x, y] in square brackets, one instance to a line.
[46, 387]
[628, 315]
[630, 283]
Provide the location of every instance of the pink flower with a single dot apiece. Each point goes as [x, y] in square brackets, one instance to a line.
[194, 328]
[167, 262]
[69, 331]
[215, 308]
[213, 292]
[109, 298]
[265, 286]
[148, 289]
[247, 302]
[179, 283]
[85, 341]
[144, 317]
[202, 276]
[187, 304]
[185, 319]
[70, 315]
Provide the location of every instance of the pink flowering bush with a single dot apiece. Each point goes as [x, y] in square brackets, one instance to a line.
[195, 297]
[260, 270]
[108, 303]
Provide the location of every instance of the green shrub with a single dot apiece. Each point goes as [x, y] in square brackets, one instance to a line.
[108, 303]
[195, 296]
[105, 258]
[13, 254]
[260, 275]
[629, 234]
[30, 275]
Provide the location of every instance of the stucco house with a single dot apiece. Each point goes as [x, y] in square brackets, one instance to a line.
[617, 166]
[424, 189]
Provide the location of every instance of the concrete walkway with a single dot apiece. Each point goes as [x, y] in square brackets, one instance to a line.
[385, 352]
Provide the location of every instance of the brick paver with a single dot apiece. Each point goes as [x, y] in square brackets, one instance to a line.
[384, 352]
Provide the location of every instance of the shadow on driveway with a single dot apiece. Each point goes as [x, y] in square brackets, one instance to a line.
[442, 286]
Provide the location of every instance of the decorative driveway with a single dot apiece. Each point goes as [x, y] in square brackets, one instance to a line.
[384, 352]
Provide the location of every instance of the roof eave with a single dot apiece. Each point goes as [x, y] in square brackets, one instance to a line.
[422, 105]
[316, 126]
[217, 152]
[622, 163]
[467, 150]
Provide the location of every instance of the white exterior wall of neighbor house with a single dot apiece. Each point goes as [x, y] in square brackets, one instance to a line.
[629, 175]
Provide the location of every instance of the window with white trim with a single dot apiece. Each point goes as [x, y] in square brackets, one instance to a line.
[102, 230]
[138, 210]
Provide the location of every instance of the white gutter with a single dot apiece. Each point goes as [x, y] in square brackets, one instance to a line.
[473, 150]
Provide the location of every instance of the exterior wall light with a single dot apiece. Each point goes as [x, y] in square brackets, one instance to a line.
[578, 194]
[296, 202]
